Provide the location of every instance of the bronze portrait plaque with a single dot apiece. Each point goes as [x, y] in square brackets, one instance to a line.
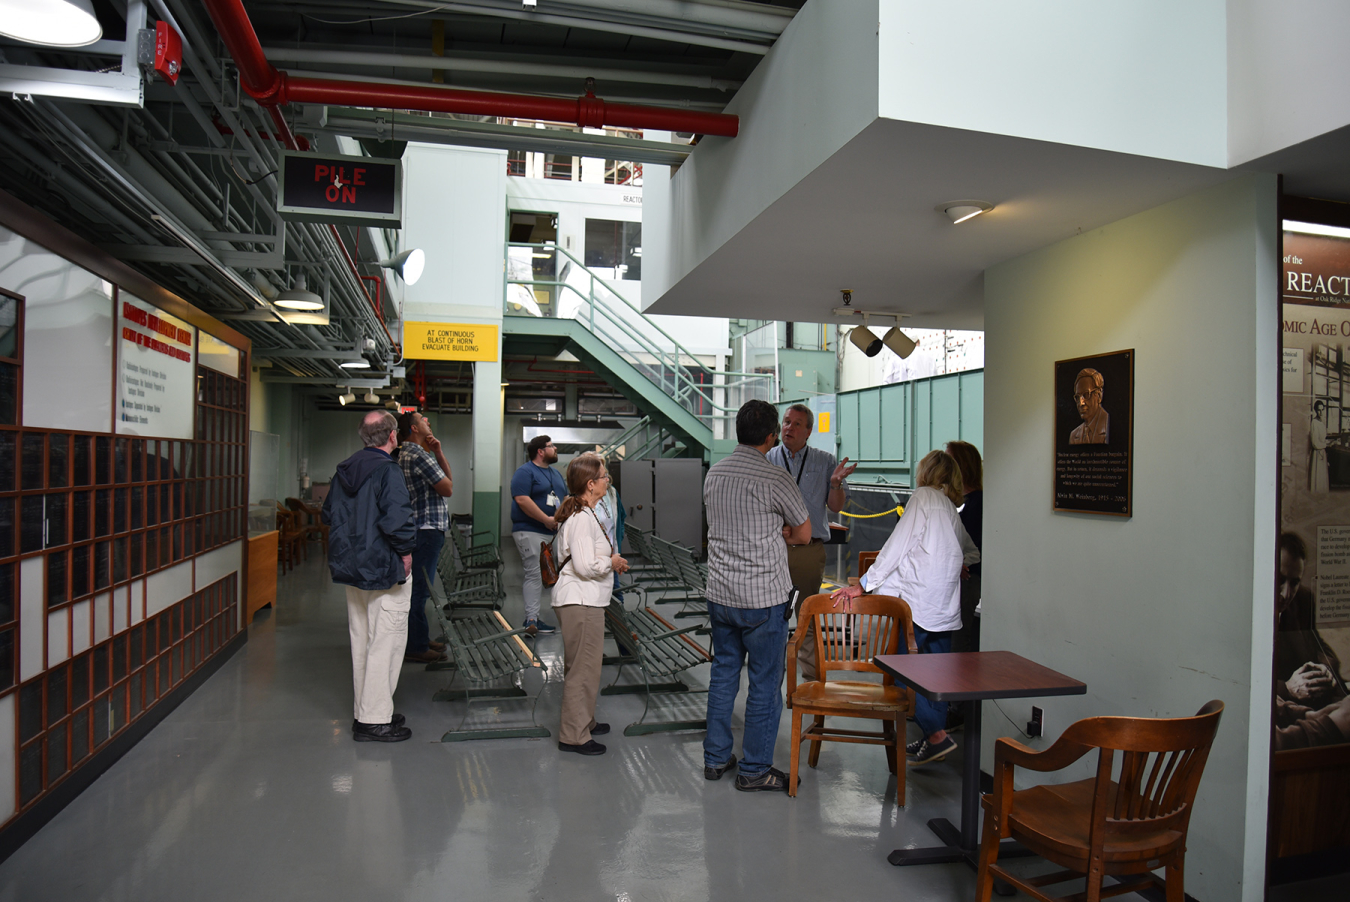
[1094, 432]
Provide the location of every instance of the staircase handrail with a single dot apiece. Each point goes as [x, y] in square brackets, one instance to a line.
[589, 272]
[684, 384]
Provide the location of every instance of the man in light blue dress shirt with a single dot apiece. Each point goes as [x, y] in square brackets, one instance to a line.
[822, 483]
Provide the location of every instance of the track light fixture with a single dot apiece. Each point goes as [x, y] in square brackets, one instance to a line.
[898, 342]
[348, 397]
[371, 397]
[865, 340]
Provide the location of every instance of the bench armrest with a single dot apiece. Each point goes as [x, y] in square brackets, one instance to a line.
[668, 633]
[503, 635]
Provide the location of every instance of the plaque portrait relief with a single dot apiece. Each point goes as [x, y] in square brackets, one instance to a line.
[1087, 398]
[1094, 420]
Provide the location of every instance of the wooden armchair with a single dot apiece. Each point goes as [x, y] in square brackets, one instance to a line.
[874, 625]
[290, 539]
[311, 524]
[1128, 825]
[865, 559]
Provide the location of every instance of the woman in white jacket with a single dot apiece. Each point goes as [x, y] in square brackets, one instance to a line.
[921, 563]
[587, 564]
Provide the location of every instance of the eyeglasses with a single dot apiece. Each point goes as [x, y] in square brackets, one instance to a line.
[1083, 396]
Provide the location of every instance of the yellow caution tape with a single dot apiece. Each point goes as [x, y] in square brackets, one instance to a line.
[898, 509]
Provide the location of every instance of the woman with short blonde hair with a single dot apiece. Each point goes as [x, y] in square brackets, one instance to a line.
[586, 568]
[921, 564]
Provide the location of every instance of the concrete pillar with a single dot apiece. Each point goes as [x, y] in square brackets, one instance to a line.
[488, 494]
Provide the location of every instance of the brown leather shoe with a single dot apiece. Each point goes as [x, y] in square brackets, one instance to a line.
[436, 646]
[426, 657]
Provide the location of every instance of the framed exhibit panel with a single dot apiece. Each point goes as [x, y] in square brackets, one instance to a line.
[1094, 434]
[1310, 706]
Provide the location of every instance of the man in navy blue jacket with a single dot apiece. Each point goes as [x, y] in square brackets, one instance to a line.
[370, 543]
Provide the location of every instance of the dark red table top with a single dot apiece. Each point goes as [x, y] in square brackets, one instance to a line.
[966, 676]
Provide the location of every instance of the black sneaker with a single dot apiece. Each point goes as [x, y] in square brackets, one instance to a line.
[913, 748]
[929, 752]
[590, 747]
[772, 780]
[715, 773]
[397, 721]
[600, 729]
[380, 732]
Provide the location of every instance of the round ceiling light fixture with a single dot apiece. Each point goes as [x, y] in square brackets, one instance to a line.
[959, 211]
[361, 364]
[51, 23]
[298, 297]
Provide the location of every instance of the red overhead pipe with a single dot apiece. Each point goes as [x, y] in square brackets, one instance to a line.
[270, 87]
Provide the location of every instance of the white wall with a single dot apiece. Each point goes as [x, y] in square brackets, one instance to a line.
[1287, 79]
[812, 93]
[575, 202]
[1138, 76]
[1163, 611]
[455, 211]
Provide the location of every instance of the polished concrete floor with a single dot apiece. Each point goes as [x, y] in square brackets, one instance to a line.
[253, 788]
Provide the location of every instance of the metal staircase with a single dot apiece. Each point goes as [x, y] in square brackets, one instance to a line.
[555, 303]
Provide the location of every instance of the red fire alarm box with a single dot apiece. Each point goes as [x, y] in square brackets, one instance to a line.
[168, 52]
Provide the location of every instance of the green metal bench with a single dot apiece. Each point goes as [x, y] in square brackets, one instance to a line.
[462, 588]
[486, 653]
[473, 554]
[661, 653]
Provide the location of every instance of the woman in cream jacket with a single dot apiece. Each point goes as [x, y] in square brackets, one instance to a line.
[587, 563]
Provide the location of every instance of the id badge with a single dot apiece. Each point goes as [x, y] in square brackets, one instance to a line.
[552, 500]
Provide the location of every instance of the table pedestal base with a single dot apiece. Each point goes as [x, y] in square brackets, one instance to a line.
[950, 852]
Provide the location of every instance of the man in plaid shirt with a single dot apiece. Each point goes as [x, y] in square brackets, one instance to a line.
[428, 478]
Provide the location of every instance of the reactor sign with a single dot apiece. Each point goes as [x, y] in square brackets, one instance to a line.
[341, 189]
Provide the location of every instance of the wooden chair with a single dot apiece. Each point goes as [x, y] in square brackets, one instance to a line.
[290, 539]
[308, 517]
[865, 559]
[1126, 825]
[875, 625]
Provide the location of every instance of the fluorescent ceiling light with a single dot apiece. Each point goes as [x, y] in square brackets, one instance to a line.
[1313, 228]
[52, 23]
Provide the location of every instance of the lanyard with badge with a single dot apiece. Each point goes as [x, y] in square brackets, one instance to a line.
[552, 500]
[787, 464]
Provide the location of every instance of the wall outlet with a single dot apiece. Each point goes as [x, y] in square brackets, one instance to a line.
[1036, 726]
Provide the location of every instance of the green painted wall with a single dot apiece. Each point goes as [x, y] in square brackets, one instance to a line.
[886, 430]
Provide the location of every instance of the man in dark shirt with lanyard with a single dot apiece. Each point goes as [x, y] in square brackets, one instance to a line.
[821, 481]
[536, 491]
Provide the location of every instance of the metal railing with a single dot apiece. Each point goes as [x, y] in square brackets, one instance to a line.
[642, 439]
[544, 280]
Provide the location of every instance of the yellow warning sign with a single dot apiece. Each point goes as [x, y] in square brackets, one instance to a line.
[450, 341]
[823, 421]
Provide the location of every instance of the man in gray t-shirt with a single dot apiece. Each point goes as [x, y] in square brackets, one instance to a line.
[749, 501]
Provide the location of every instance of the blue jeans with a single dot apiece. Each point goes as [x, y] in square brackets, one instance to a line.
[424, 557]
[757, 639]
[930, 716]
